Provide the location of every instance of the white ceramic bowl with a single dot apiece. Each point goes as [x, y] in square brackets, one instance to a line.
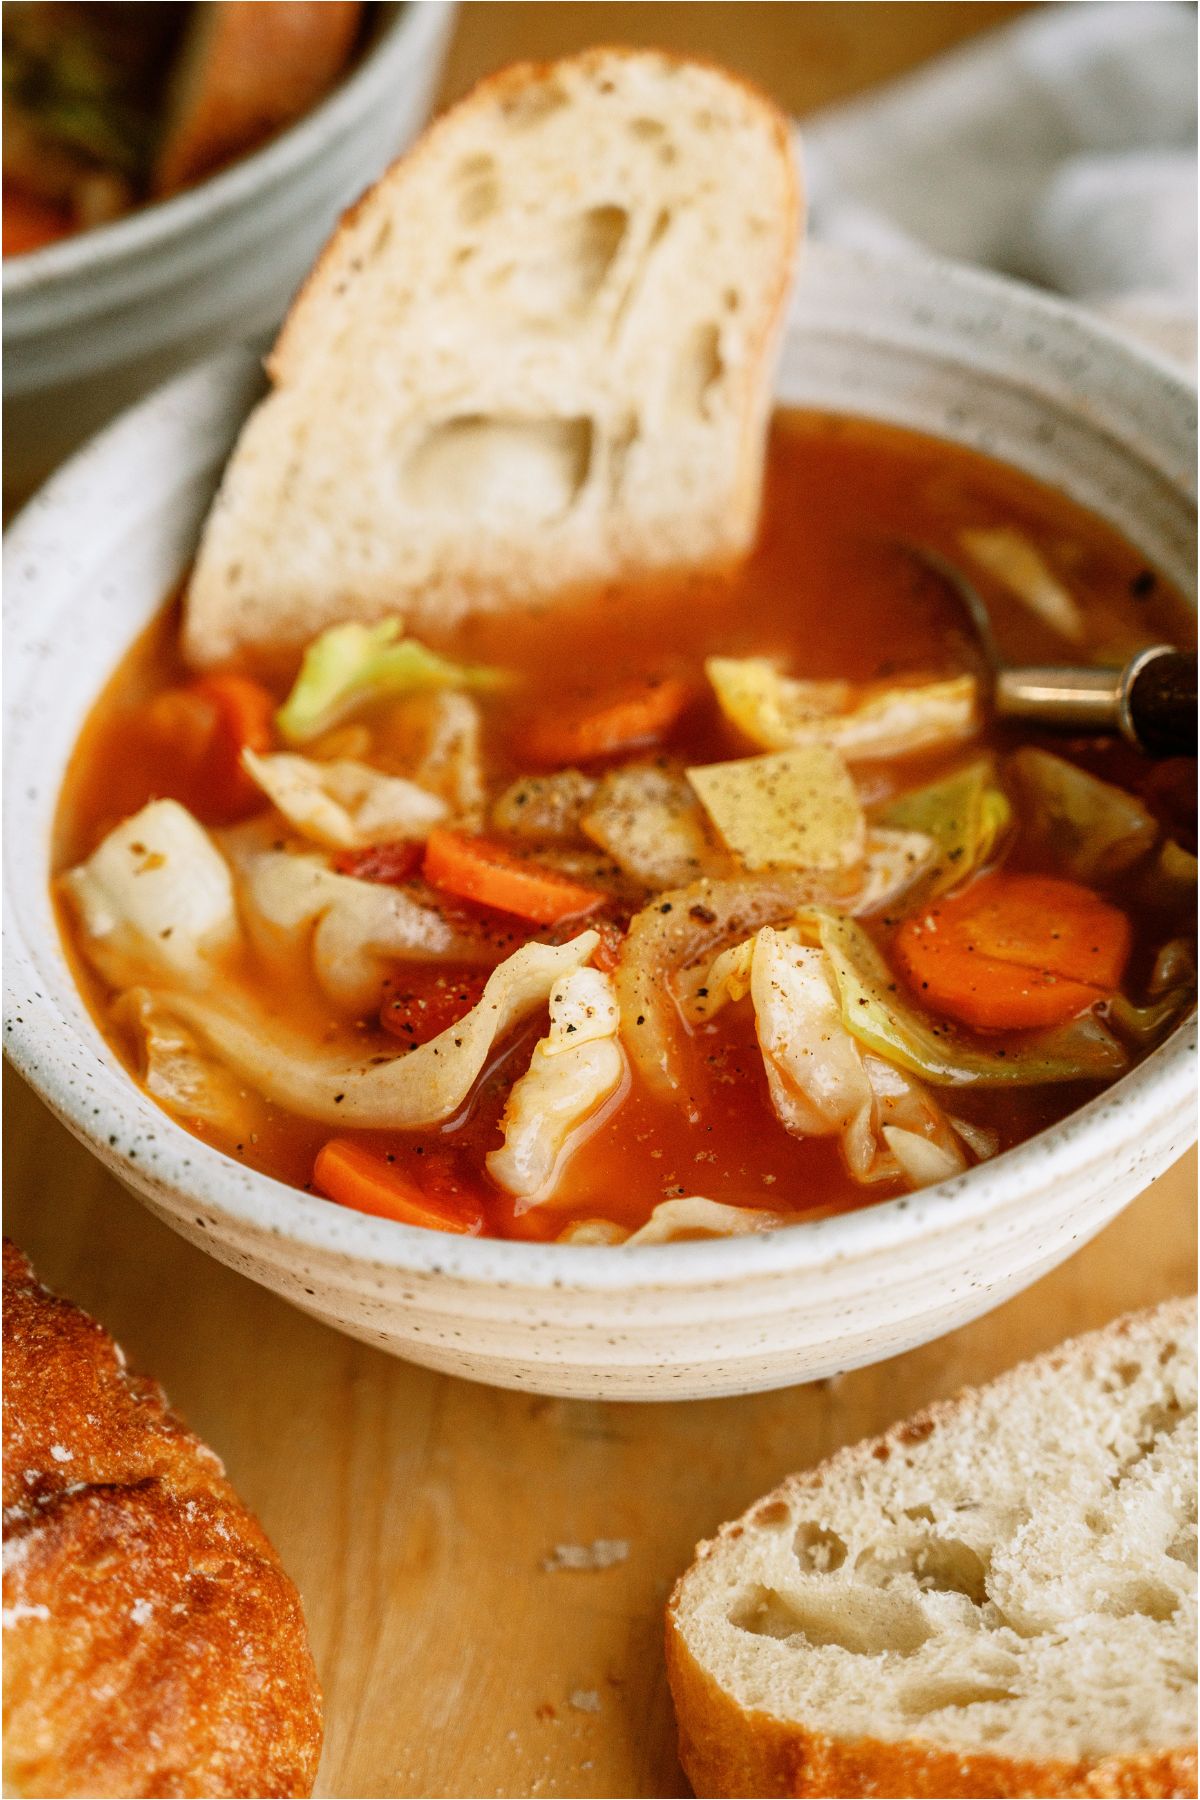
[931, 346]
[94, 321]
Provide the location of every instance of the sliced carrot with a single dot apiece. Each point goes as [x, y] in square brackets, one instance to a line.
[199, 732]
[431, 999]
[29, 224]
[245, 715]
[476, 869]
[180, 723]
[385, 863]
[359, 1178]
[640, 713]
[1015, 951]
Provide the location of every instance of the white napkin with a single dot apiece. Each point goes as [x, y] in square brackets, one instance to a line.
[1060, 148]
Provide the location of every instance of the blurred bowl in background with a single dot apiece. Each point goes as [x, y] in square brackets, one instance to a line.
[93, 321]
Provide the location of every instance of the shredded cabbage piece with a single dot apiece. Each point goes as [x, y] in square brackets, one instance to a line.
[1174, 966]
[963, 814]
[181, 1075]
[1170, 991]
[922, 1162]
[906, 1106]
[728, 978]
[776, 712]
[1016, 562]
[1144, 1025]
[692, 1216]
[1085, 827]
[450, 763]
[670, 946]
[295, 908]
[646, 817]
[154, 899]
[349, 665]
[894, 864]
[821, 1082]
[575, 1069]
[674, 1221]
[423, 1086]
[1170, 880]
[981, 1140]
[593, 1231]
[815, 1074]
[344, 805]
[792, 809]
[545, 808]
[874, 1011]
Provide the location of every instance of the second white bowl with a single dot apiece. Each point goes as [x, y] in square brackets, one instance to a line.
[94, 321]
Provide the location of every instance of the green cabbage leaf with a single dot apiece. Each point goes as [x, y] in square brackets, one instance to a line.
[965, 813]
[352, 665]
[1085, 828]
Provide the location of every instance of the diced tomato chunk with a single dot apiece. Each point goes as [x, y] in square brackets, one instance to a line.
[385, 863]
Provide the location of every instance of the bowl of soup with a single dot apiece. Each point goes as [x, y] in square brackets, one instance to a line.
[471, 992]
[168, 271]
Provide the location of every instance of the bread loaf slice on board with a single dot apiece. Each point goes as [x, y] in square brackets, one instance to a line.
[996, 1598]
[152, 1642]
[537, 354]
[245, 69]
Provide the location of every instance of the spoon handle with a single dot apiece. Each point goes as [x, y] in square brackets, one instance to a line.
[1158, 702]
[1151, 701]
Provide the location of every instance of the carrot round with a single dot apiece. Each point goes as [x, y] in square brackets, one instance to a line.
[200, 731]
[356, 1177]
[641, 713]
[1012, 952]
[245, 713]
[475, 869]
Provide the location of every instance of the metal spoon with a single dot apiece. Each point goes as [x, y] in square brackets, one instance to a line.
[1151, 701]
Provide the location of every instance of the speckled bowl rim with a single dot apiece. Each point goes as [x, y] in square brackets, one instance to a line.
[162, 221]
[169, 1158]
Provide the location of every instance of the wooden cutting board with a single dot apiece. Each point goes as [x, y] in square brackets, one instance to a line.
[419, 1514]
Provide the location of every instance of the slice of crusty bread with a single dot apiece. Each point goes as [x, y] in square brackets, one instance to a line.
[152, 1642]
[996, 1598]
[245, 69]
[538, 353]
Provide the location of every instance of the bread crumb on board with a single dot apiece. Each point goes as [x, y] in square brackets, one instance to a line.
[601, 1553]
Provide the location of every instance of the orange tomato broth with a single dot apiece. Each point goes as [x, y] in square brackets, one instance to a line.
[828, 590]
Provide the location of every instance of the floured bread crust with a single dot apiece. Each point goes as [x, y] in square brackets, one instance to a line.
[153, 1644]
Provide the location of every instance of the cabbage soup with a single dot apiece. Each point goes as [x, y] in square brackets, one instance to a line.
[674, 910]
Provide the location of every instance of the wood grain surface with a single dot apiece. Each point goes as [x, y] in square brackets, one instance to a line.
[416, 1512]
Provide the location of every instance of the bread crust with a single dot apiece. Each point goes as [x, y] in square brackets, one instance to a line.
[247, 69]
[727, 1749]
[153, 1643]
